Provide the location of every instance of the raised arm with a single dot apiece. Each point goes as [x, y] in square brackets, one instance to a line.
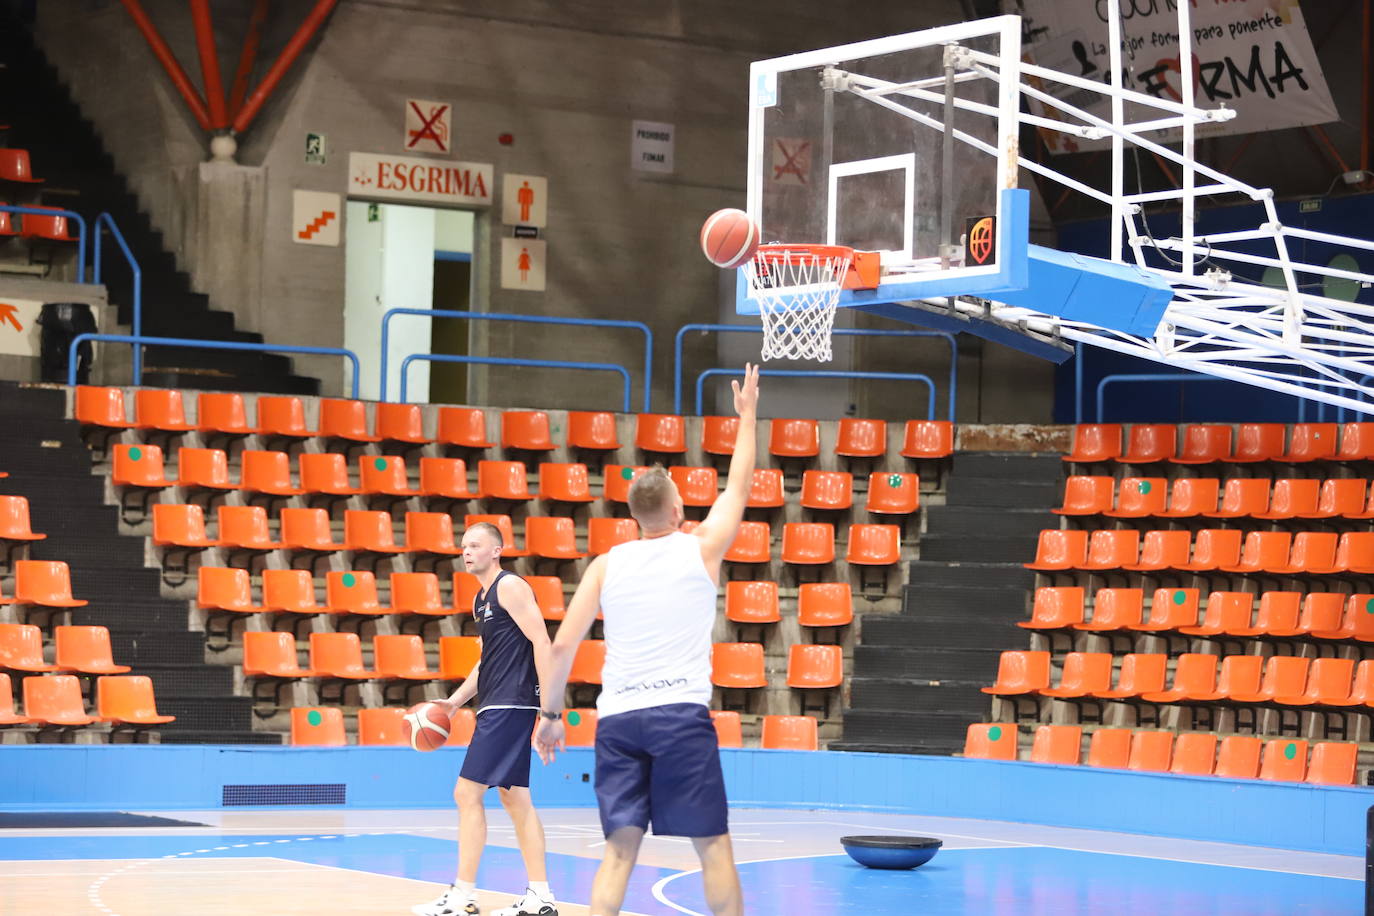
[721, 525]
[582, 611]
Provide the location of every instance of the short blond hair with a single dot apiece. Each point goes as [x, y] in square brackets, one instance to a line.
[651, 495]
[490, 529]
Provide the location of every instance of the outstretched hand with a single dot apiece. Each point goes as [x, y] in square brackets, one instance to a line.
[747, 393]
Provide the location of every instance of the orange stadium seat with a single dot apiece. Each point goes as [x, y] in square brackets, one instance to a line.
[244, 528]
[364, 532]
[15, 166]
[1190, 497]
[223, 414]
[1226, 612]
[1055, 608]
[861, 438]
[55, 699]
[1238, 757]
[203, 469]
[1163, 550]
[282, 417]
[1139, 674]
[353, 592]
[605, 533]
[1170, 609]
[1114, 609]
[127, 701]
[400, 423]
[465, 427]
[752, 544]
[317, 726]
[1060, 550]
[417, 593]
[1151, 751]
[830, 490]
[696, 486]
[401, 658]
[1084, 495]
[290, 591]
[738, 664]
[1112, 549]
[1020, 673]
[660, 433]
[766, 489]
[727, 723]
[45, 583]
[1095, 442]
[1083, 673]
[1140, 497]
[309, 530]
[548, 595]
[160, 409]
[527, 430]
[825, 604]
[718, 435]
[381, 726]
[1332, 763]
[592, 430]
[1357, 442]
[808, 543]
[225, 589]
[7, 714]
[928, 439]
[445, 478]
[1257, 442]
[338, 655]
[1341, 497]
[565, 483]
[431, 532]
[138, 466]
[97, 406]
[873, 545]
[1061, 744]
[588, 661]
[266, 473]
[1204, 443]
[617, 479]
[1149, 443]
[346, 420]
[1292, 498]
[1284, 760]
[21, 648]
[552, 538]
[1263, 551]
[1241, 497]
[14, 520]
[790, 733]
[327, 473]
[752, 602]
[270, 653]
[1110, 747]
[384, 476]
[1311, 442]
[579, 727]
[794, 438]
[1214, 548]
[1195, 754]
[893, 494]
[991, 742]
[812, 667]
[503, 480]
[85, 650]
[458, 655]
[461, 726]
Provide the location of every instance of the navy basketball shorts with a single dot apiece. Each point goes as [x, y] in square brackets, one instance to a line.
[661, 766]
[499, 752]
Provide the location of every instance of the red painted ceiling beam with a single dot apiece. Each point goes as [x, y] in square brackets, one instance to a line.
[168, 61]
[209, 63]
[293, 48]
[247, 56]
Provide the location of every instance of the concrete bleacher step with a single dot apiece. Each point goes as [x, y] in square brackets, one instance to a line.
[143, 647]
[904, 732]
[987, 549]
[997, 493]
[944, 632]
[171, 735]
[904, 694]
[951, 520]
[969, 574]
[1036, 467]
[188, 680]
[220, 714]
[968, 665]
[1001, 604]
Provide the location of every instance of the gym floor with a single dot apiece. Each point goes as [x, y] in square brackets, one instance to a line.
[308, 861]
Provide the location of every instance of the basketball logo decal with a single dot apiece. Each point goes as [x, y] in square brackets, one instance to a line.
[982, 240]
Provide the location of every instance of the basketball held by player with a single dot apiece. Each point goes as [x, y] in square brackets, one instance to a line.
[657, 756]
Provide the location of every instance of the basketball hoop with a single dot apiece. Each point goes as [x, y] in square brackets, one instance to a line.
[798, 287]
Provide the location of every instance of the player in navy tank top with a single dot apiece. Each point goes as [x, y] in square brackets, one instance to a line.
[515, 649]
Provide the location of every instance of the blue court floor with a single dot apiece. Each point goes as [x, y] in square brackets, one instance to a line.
[286, 861]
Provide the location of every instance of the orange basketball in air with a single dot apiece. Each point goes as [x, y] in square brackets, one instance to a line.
[729, 238]
[425, 726]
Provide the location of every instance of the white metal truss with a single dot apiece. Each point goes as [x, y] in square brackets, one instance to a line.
[1222, 320]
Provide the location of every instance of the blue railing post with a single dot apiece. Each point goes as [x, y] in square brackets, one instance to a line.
[511, 361]
[847, 332]
[208, 345]
[69, 214]
[108, 220]
[528, 319]
[826, 373]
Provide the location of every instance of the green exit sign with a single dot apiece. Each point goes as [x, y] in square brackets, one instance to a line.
[1309, 206]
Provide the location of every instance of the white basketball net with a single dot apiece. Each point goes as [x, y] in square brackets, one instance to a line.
[797, 291]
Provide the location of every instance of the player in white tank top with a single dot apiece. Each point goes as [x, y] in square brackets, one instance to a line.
[658, 598]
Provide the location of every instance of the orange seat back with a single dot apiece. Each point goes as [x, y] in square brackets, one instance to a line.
[605, 533]
[503, 480]
[289, 590]
[128, 699]
[222, 412]
[857, 438]
[564, 483]
[87, 649]
[1204, 443]
[1060, 744]
[271, 653]
[353, 592]
[47, 583]
[729, 732]
[55, 699]
[874, 545]
[1333, 763]
[416, 592]
[1312, 442]
[458, 655]
[617, 479]
[310, 529]
[386, 475]
[1093, 442]
[21, 647]
[203, 467]
[400, 423]
[548, 595]
[1238, 757]
[344, 419]
[810, 543]
[282, 416]
[1150, 442]
[1152, 751]
[160, 408]
[579, 727]
[738, 664]
[338, 655]
[461, 726]
[1259, 442]
[790, 733]
[661, 433]
[368, 531]
[825, 604]
[928, 439]
[246, 527]
[827, 490]
[526, 429]
[588, 662]
[463, 426]
[893, 493]
[138, 466]
[431, 532]
[400, 655]
[326, 472]
[1110, 747]
[381, 726]
[1284, 760]
[814, 667]
[225, 588]
[97, 406]
[990, 741]
[765, 489]
[696, 486]
[752, 602]
[552, 537]
[718, 435]
[593, 430]
[177, 525]
[1195, 754]
[447, 477]
[266, 472]
[794, 438]
[317, 726]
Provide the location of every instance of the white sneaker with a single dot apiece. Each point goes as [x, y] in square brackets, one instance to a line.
[530, 905]
[450, 903]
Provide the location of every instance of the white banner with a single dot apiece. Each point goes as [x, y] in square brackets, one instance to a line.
[651, 146]
[19, 334]
[408, 178]
[315, 217]
[1253, 56]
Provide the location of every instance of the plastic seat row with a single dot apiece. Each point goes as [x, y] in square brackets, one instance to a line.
[1284, 680]
[1189, 753]
[809, 667]
[1149, 443]
[54, 700]
[1206, 497]
[1210, 550]
[43, 583]
[527, 430]
[76, 650]
[1280, 615]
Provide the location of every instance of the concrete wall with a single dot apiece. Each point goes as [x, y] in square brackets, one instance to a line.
[565, 80]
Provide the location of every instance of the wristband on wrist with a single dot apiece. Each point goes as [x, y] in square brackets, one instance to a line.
[551, 716]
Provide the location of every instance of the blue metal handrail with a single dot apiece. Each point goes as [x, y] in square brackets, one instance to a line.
[510, 361]
[107, 220]
[1148, 377]
[529, 319]
[847, 332]
[69, 214]
[208, 345]
[830, 373]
